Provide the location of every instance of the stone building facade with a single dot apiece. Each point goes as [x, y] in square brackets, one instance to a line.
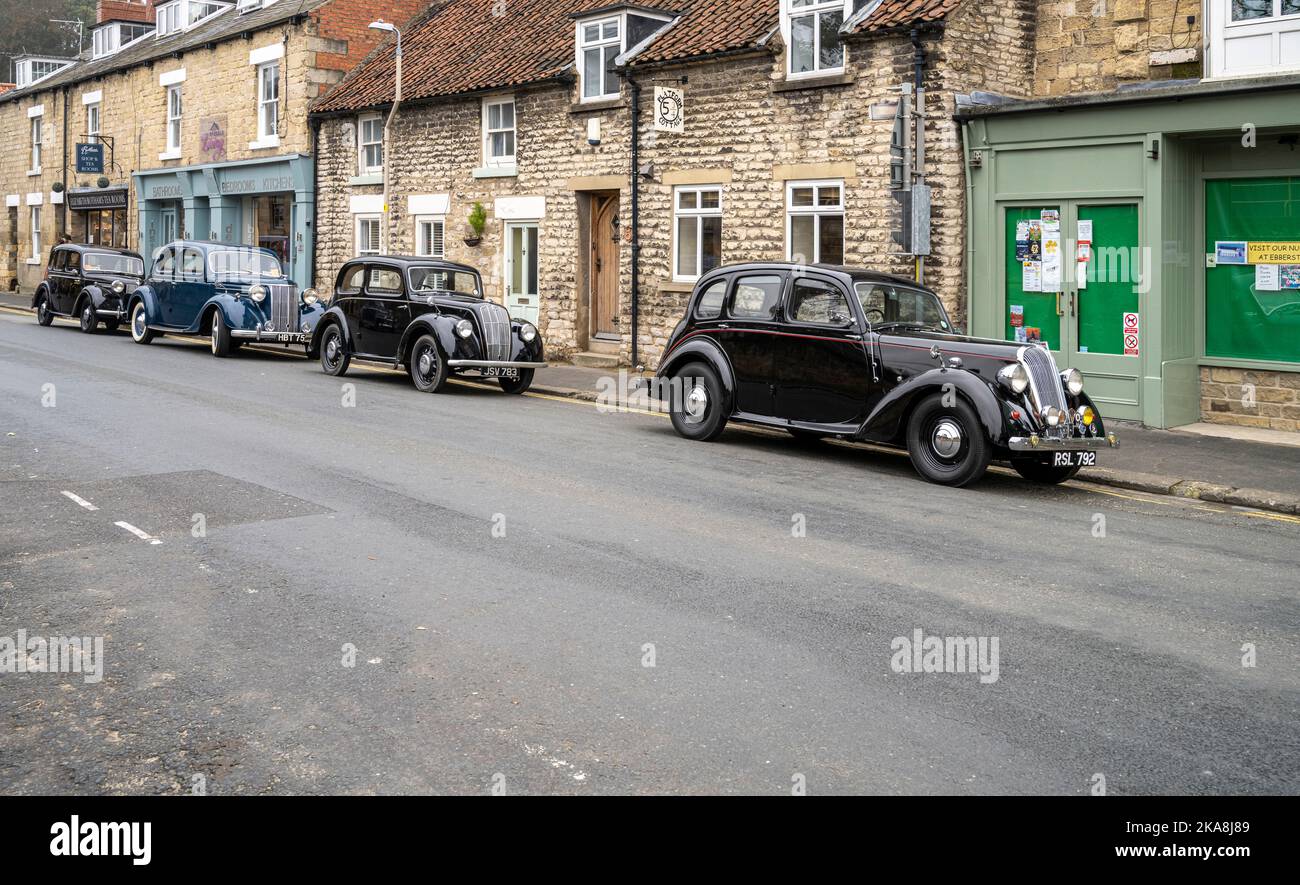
[187, 136]
[752, 134]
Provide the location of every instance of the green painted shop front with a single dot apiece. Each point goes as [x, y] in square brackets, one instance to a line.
[1124, 197]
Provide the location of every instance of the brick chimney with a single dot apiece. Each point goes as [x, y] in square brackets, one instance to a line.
[124, 11]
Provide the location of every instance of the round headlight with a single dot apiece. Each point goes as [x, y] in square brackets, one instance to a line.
[1014, 378]
[310, 296]
[1053, 416]
[465, 328]
[1073, 380]
[119, 287]
[257, 292]
[528, 332]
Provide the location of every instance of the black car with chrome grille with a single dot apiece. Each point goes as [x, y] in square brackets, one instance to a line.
[829, 351]
[87, 282]
[428, 315]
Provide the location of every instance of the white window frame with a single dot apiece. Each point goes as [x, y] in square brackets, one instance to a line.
[581, 46]
[34, 215]
[175, 120]
[434, 222]
[268, 129]
[92, 118]
[792, 211]
[359, 222]
[793, 9]
[364, 168]
[698, 214]
[1221, 25]
[505, 160]
[38, 144]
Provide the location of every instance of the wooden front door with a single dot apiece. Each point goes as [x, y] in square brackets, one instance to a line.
[604, 237]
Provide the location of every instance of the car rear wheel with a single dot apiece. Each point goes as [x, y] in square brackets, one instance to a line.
[334, 356]
[427, 367]
[43, 315]
[516, 386]
[947, 442]
[89, 321]
[140, 332]
[1041, 471]
[698, 407]
[220, 336]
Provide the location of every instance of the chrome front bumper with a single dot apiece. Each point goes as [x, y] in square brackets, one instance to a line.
[274, 337]
[492, 364]
[1036, 443]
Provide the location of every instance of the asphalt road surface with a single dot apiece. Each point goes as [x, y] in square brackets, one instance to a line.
[539, 597]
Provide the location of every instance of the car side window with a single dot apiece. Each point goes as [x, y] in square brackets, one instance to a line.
[73, 261]
[351, 280]
[709, 306]
[166, 267]
[384, 281]
[757, 297]
[819, 302]
[192, 265]
[57, 257]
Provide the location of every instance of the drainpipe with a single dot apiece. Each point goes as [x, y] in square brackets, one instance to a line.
[63, 217]
[635, 90]
[918, 86]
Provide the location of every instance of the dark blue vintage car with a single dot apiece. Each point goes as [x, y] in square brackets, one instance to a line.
[231, 293]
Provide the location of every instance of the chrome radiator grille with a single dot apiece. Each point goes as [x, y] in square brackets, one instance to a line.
[283, 312]
[1044, 379]
[495, 321]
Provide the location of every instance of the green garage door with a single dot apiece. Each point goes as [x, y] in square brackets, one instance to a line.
[1245, 320]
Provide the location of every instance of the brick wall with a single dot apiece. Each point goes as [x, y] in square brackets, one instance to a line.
[342, 37]
[1093, 45]
[124, 11]
[1250, 398]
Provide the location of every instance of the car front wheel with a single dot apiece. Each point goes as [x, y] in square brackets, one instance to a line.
[698, 403]
[43, 315]
[89, 322]
[427, 367]
[334, 357]
[1041, 471]
[140, 332]
[947, 442]
[220, 336]
[516, 386]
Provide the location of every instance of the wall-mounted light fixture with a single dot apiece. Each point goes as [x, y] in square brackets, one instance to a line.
[1154, 153]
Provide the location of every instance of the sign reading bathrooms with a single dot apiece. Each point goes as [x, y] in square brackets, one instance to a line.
[90, 158]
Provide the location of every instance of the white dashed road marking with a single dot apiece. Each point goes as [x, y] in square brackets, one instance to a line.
[79, 500]
[139, 533]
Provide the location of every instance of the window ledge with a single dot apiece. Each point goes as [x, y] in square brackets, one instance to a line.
[795, 84]
[368, 178]
[604, 104]
[264, 143]
[32, 261]
[170, 155]
[496, 172]
[32, 173]
[677, 285]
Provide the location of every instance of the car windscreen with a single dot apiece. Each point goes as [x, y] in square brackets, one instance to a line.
[885, 303]
[442, 279]
[106, 262]
[243, 264]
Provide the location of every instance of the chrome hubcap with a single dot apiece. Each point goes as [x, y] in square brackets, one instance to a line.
[216, 325]
[946, 439]
[426, 363]
[697, 402]
[332, 349]
[137, 323]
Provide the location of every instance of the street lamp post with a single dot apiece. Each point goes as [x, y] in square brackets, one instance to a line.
[382, 25]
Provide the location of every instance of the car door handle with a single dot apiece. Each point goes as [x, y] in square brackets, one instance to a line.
[853, 336]
[723, 326]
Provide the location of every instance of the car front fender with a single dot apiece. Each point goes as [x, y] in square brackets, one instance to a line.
[886, 422]
[441, 326]
[706, 350]
[152, 310]
[331, 316]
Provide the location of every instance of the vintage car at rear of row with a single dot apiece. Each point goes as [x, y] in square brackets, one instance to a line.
[87, 282]
[824, 351]
[430, 316]
[230, 293]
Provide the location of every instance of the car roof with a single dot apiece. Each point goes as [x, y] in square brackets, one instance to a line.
[91, 247]
[210, 245]
[846, 272]
[407, 261]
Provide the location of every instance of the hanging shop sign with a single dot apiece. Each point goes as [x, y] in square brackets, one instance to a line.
[670, 109]
[90, 158]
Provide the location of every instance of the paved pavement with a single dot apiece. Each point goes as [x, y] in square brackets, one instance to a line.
[538, 596]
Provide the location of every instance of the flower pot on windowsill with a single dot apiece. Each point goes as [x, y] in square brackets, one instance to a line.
[473, 241]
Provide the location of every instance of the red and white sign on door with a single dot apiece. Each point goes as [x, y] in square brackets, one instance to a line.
[1132, 337]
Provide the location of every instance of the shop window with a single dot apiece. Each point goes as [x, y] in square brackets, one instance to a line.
[697, 232]
[815, 222]
[499, 132]
[370, 145]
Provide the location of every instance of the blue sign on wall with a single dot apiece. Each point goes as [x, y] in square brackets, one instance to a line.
[90, 158]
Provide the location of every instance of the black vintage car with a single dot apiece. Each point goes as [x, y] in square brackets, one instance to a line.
[87, 282]
[826, 351]
[428, 315]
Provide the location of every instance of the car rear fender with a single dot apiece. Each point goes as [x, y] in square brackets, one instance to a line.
[42, 292]
[888, 420]
[706, 350]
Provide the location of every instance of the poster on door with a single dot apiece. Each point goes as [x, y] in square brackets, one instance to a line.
[1132, 335]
